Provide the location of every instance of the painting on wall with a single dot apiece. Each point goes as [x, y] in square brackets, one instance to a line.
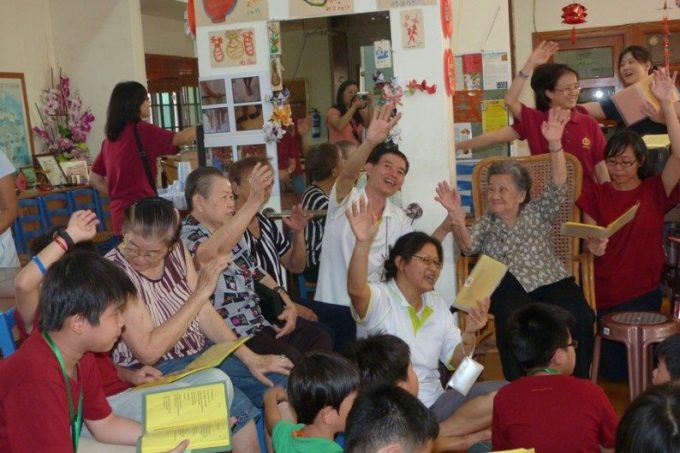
[315, 8]
[213, 92]
[249, 117]
[232, 48]
[246, 89]
[258, 149]
[211, 12]
[16, 138]
[412, 36]
[220, 157]
[216, 120]
[387, 4]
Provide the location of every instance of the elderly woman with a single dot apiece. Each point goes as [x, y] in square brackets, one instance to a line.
[516, 231]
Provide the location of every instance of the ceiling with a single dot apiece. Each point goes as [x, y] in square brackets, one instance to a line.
[168, 9]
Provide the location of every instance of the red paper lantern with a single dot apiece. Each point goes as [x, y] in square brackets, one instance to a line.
[574, 14]
[447, 18]
[449, 72]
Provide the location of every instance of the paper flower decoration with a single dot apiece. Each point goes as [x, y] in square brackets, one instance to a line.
[574, 14]
[275, 127]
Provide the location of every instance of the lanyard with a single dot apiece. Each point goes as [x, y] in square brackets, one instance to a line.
[543, 370]
[76, 419]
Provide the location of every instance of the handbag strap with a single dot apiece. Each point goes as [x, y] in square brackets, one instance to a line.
[145, 160]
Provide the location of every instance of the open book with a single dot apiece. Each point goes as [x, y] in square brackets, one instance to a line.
[656, 140]
[584, 230]
[630, 101]
[199, 413]
[481, 283]
[211, 358]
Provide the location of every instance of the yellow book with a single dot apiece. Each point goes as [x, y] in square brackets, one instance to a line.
[631, 100]
[211, 358]
[584, 230]
[199, 413]
[656, 140]
[482, 282]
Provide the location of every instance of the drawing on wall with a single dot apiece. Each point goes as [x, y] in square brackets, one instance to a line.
[387, 4]
[472, 71]
[220, 157]
[311, 8]
[382, 54]
[16, 139]
[246, 89]
[216, 121]
[232, 48]
[249, 117]
[211, 12]
[213, 92]
[412, 36]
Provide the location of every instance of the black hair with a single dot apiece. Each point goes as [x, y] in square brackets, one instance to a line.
[200, 182]
[82, 283]
[381, 359]
[536, 331]
[669, 351]
[153, 217]
[519, 173]
[622, 139]
[239, 168]
[407, 246]
[321, 160]
[387, 415]
[639, 54]
[126, 100]
[319, 380]
[386, 148]
[651, 424]
[340, 104]
[42, 241]
[544, 79]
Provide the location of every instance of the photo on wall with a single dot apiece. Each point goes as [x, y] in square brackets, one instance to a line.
[213, 92]
[216, 121]
[249, 117]
[246, 89]
[258, 149]
[220, 157]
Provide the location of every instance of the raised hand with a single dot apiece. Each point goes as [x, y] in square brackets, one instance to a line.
[543, 52]
[663, 85]
[362, 220]
[478, 316]
[381, 124]
[553, 129]
[304, 125]
[449, 198]
[82, 226]
[653, 113]
[260, 180]
[298, 219]
[209, 273]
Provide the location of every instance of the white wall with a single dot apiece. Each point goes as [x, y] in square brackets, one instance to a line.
[166, 37]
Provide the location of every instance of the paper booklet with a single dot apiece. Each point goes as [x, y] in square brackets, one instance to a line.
[211, 358]
[631, 100]
[481, 283]
[584, 231]
[656, 140]
[199, 413]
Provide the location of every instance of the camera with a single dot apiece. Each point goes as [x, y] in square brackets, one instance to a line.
[363, 95]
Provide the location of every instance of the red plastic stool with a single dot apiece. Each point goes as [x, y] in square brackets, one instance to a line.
[638, 330]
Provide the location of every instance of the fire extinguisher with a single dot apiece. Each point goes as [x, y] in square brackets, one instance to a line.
[316, 123]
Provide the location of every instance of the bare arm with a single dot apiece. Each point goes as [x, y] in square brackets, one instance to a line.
[99, 183]
[449, 198]
[601, 172]
[272, 414]
[295, 258]
[184, 137]
[504, 135]
[115, 430]
[380, 127]
[8, 202]
[365, 227]
[663, 87]
[340, 122]
[552, 131]
[540, 55]
[595, 110]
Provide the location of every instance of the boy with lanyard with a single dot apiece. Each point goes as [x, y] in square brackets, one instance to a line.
[52, 382]
[567, 414]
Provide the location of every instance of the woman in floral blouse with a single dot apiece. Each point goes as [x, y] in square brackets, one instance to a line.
[517, 232]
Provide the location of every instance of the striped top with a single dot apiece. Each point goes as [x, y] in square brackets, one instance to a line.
[266, 250]
[314, 199]
[163, 298]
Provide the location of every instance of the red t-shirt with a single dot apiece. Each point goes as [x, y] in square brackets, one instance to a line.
[582, 136]
[634, 258]
[290, 147]
[34, 412]
[553, 414]
[122, 166]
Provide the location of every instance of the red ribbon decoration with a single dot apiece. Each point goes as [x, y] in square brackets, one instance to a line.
[191, 18]
[574, 14]
[666, 37]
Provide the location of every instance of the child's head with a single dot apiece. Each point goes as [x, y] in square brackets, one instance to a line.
[85, 293]
[651, 422]
[540, 338]
[384, 360]
[321, 389]
[668, 353]
[388, 418]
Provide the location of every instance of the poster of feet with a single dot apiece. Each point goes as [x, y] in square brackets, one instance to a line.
[232, 48]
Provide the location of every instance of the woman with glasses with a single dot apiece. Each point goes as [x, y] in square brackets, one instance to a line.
[628, 265]
[517, 232]
[173, 321]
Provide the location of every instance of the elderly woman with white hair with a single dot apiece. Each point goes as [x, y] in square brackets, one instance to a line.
[517, 232]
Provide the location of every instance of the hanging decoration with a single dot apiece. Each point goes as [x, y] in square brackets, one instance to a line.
[423, 87]
[190, 20]
[447, 18]
[275, 127]
[449, 72]
[574, 14]
[666, 37]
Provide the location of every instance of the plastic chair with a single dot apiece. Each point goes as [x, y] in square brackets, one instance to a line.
[85, 198]
[7, 323]
[56, 209]
[305, 288]
[29, 223]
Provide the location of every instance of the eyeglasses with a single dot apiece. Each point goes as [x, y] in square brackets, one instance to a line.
[570, 89]
[620, 163]
[429, 261]
[149, 256]
[573, 343]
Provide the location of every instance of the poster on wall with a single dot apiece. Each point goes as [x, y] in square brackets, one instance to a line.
[258, 150]
[412, 36]
[467, 106]
[232, 48]
[313, 8]
[472, 71]
[220, 157]
[211, 12]
[16, 137]
[494, 115]
[462, 132]
[496, 70]
[387, 4]
[382, 53]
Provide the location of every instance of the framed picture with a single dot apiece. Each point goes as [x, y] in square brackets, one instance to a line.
[29, 173]
[50, 166]
[75, 168]
[215, 120]
[213, 92]
[16, 137]
[246, 89]
[249, 117]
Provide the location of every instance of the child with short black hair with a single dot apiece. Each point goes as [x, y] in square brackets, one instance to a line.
[388, 418]
[321, 391]
[668, 355]
[566, 414]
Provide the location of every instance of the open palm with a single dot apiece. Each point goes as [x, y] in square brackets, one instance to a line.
[553, 128]
[362, 220]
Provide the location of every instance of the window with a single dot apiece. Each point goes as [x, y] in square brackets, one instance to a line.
[175, 110]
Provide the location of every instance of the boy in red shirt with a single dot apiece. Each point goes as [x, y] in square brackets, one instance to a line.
[548, 409]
